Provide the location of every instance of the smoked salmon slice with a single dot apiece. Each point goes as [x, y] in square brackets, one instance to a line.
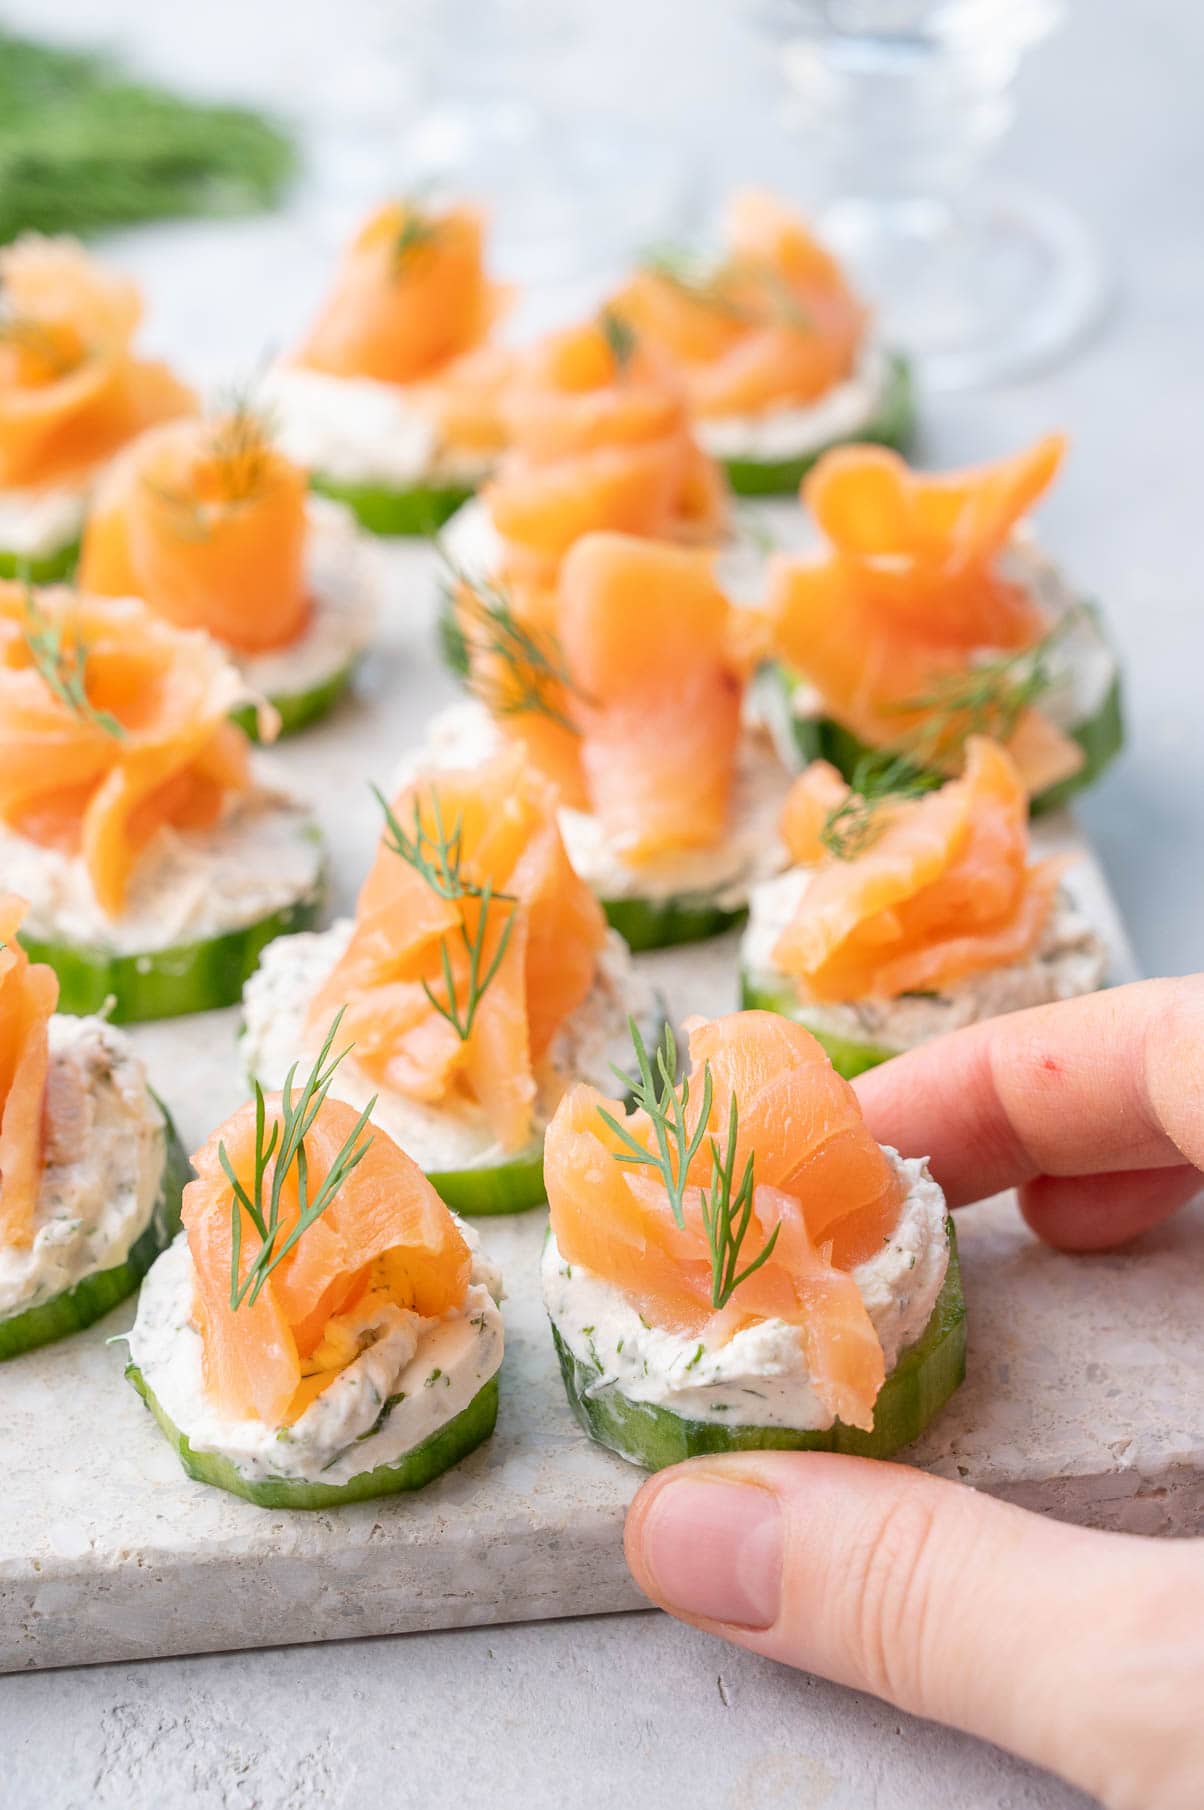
[600, 438]
[895, 622]
[410, 296]
[205, 520]
[112, 725]
[773, 324]
[489, 827]
[28, 995]
[385, 1231]
[72, 392]
[818, 1177]
[942, 887]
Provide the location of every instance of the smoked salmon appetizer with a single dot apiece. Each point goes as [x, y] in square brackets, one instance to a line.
[72, 392]
[629, 695]
[776, 351]
[477, 981]
[394, 400]
[910, 912]
[90, 1167]
[210, 524]
[930, 615]
[735, 1263]
[600, 439]
[323, 1329]
[155, 860]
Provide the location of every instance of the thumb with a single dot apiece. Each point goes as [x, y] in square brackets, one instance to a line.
[1081, 1651]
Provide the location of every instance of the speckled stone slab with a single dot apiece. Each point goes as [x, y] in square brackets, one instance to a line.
[1085, 1394]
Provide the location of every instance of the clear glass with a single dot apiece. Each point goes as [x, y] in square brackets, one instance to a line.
[900, 102]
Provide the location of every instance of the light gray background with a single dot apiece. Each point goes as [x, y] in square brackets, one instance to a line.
[634, 1710]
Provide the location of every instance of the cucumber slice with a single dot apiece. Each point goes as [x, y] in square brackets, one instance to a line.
[165, 983]
[298, 709]
[850, 1057]
[42, 568]
[92, 1297]
[891, 424]
[414, 1470]
[663, 923]
[801, 739]
[419, 510]
[916, 1389]
[512, 1186]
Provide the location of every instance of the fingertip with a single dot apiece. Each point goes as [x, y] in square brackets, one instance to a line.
[1085, 1213]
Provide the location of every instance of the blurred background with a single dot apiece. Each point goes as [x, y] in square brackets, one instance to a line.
[1014, 181]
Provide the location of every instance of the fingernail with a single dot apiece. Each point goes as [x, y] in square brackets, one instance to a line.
[713, 1550]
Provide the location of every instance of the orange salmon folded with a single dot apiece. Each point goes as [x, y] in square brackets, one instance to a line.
[386, 1236]
[206, 521]
[773, 324]
[28, 995]
[498, 827]
[112, 724]
[818, 1176]
[941, 888]
[72, 391]
[895, 616]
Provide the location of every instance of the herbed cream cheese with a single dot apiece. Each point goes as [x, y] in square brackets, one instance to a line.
[102, 1176]
[263, 855]
[412, 1376]
[1069, 959]
[438, 1137]
[358, 430]
[343, 589]
[37, 523]
[792, 430]
[465, 735]
[758, 1377]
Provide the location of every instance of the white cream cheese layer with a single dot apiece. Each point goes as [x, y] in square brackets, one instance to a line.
[103, 1171]
[411, 1377]
[465, 735]
[356, 430]
[1070, 958]
[438, 1137]
[343, 587]
[759, 1377]
[793, 430]
[37, 523]
[264, 854]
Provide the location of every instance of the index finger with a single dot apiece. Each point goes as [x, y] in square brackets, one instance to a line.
[1110, 1082]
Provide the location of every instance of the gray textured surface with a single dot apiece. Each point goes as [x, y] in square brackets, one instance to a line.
[627, 1710]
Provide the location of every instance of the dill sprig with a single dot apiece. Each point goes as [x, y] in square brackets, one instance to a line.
[620, 337]
[716, 288]
[417, 229]
[283, 1149]
[63, 666]
[438, 859]
[726, 1205]
[241, 443]
[534, 675]
[880, 778]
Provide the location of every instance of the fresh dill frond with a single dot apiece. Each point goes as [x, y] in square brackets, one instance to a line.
[880, 778]
[417, 229]
[985, 699]
[520, 670]
[63, 663]
[691, 277]
[620, 336]
[727, 1208]
[283, 1149]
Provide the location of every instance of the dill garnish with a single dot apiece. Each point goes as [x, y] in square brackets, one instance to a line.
[717, 288]
[879, 778]
[620, 337]
[725, 1205]
[63, 664]
[417, 229]
[438, 858]
[284, 1150]
[529, 674]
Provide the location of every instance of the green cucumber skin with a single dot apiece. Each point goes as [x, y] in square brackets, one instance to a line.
[167, 983]
[510, 1187]
[664, 923]
[848, 1057]
[418, 1467]
[1101, 736]
[44, 568]
[297, 709]
[917, 1388]
[893, 424]
[94, 1296]
[421, 510]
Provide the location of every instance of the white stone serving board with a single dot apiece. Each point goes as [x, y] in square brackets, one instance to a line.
[1085, 1393]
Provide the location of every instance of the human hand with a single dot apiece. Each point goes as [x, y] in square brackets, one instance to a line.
[1081, 1651]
